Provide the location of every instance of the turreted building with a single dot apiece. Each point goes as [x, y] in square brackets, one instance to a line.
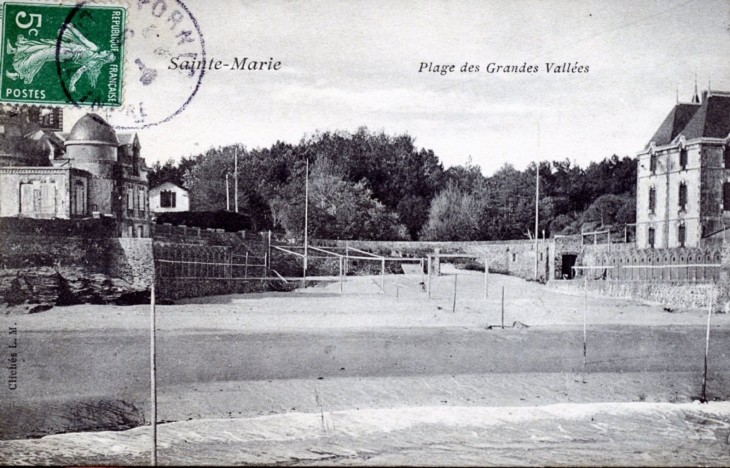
[99, 173]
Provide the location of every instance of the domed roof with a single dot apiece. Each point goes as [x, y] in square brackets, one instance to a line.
[92, 129]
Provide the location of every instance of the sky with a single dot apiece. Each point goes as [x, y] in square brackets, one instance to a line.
[347, 64]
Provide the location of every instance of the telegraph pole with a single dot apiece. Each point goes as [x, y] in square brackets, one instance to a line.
[306, 216]
[228, 195]
[537, 197]
[235, 177]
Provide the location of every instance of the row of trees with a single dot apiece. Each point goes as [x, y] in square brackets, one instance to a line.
[370, 185]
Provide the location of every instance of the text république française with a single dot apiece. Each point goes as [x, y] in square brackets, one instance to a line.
[549, 67]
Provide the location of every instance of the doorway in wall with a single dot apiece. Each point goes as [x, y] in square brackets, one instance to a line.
[567, 264]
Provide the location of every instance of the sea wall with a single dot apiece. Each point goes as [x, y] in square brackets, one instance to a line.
[672, 294]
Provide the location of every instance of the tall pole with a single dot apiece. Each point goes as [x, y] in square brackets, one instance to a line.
[341, 277]
[502, 307]
[153, 377]
[707, 351]
[228, 195]
[306, 217]
[585, 312]
[537, 196]
[486, 277]
[429, 276]
[453, 307]
[235, 177]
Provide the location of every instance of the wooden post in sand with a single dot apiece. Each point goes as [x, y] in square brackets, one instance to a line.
[153, 378]
[502, 307]
[585, 311]
[486, 277]
[453, 307]
[341, 277]
[707, 350]
[429, 276]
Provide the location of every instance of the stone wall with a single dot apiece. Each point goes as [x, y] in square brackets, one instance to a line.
[515, 257]
[191, 262]
[669, 293]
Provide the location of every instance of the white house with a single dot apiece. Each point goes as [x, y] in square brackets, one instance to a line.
[169, 197]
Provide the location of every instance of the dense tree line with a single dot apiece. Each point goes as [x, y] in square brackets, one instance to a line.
[370, 185]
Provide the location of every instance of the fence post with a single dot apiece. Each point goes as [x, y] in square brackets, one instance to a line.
[453, 307]
[502, 307]
[707, 350]
[245, 268]
[486, 277]
[585, 311]
[341, 285]
[382, 275]
[429, 276]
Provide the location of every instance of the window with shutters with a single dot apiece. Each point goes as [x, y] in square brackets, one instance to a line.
[726, 196]
[652, 200]
[167, 199]
[683, 196]
[652, 163]
[141, 198]
[38, 199]
[726, 154]
[79, 202]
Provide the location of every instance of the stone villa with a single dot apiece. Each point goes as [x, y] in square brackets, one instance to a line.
[683, 177]
[92, 171]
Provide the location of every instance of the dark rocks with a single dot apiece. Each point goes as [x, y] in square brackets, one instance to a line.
[39, 289]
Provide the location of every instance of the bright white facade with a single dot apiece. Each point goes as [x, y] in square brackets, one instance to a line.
[169, 197]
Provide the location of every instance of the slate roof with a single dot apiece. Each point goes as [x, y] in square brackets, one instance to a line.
[710, 119]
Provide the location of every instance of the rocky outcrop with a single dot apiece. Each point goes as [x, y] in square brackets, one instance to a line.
[42, 272]
[39, 289]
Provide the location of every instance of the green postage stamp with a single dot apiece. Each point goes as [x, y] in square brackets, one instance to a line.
[62, 54]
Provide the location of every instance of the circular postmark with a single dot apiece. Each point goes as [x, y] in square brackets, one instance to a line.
[157, 34]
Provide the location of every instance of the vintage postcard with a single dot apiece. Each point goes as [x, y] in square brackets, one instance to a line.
[395, 233]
